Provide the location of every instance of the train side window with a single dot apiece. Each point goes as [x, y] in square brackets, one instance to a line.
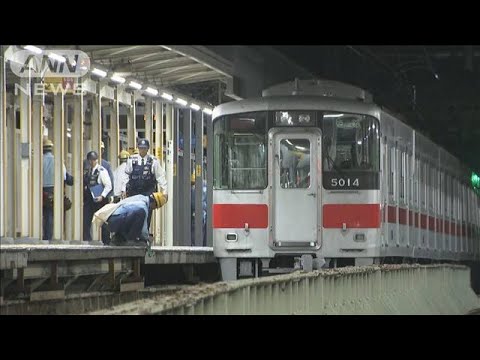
[391, 170]
[442, 194]
[415, 182]
[432, 187]
[402, 176]
[422, 184]
[445, 194]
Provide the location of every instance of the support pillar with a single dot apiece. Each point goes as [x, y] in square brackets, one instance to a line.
[58, 152]
[9, 195]
[24, 182]
[132, 125]
[170, 170]
[209, 126]
[185, 183]
[96, 139]
[77, 168]
[198, 178]
[175, 182]
[148, 121]
[114, 132]
[159, 214]
[37, 165]
[3, 134]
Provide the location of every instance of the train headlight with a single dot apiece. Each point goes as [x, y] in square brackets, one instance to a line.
[231, 237]
[359, 237]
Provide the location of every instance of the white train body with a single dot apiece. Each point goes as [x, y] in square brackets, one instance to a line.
[316, 168]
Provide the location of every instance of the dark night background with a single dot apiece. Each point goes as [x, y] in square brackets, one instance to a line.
[437, 88]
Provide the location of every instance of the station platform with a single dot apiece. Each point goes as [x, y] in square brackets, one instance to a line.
[43, 272]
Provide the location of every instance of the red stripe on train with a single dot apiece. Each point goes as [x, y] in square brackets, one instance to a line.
[353, 215]
[423, 221]
[237, 215]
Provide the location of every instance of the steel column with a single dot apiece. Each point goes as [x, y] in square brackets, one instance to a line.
[132, 125]
[77, 169]
[96, 121]
[3, 133]
[176, 176]
[158, 224]
[148, 122]
[10, 155]
[96, 138]
[199, 179]
[25, 153]
[37, 165]
[186, 186]
[209, 125]
[114, 131]
[58, 151]
[170, 170]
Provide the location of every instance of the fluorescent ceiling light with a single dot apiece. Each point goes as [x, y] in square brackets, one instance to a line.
[332, 115]
[181, 101]
[135, 85]
[118, 79]
[99, 72]
[151, 91]
[195, 107]
[57, 57]
[207, 111]
[33, 49]
[167, 96]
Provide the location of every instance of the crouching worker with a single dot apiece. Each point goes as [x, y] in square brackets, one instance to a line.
[127, 219]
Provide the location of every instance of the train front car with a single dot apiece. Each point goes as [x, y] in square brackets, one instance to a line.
[296, 179]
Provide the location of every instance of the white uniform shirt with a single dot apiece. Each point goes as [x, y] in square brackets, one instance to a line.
[157, 171]
[103, 179]
[118, 179]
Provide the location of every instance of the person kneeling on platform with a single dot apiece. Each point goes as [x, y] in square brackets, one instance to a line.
[127, 219]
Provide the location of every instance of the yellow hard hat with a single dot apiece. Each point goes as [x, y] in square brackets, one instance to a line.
[124, 155]
[47, 143]
[160, 199]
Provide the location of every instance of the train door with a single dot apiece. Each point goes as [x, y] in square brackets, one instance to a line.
[296, 188]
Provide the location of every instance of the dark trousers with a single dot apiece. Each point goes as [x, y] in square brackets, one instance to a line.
[48, 218]
[144, 193]
[128, 225]
[89, 208]
[88, 211]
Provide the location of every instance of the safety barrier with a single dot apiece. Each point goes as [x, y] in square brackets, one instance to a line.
[386, 289]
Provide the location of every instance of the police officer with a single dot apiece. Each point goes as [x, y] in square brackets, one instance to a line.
[94, 175]
[105, 164]
[144, 175]
[119, 173]
[48, 186]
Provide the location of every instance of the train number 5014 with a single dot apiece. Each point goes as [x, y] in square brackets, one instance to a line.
[344, 182]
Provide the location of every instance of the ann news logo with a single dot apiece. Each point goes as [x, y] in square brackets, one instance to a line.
[47, 62]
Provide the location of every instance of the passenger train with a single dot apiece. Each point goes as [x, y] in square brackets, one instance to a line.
[314, 172]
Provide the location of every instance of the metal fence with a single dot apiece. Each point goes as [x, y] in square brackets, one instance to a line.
[386, 289]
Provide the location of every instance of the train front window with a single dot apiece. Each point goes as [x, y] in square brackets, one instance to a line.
[351, 146]
[240, 151]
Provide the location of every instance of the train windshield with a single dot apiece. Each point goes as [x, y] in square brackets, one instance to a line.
[351, 142]
[240, 151]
